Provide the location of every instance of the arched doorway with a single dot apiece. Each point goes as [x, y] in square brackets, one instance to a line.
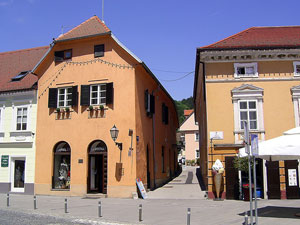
[61, 166]
[97, 172]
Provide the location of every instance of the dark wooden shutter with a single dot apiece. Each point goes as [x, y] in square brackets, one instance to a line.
[52, 99]
[109, 93]
[85, 95]
[98, 51]
[152, 104]
[74, 96]
[59, 56]
[163, 112]
[292, 192]
[146, 101]
[232, 179]
[273, 180]
[166, 115]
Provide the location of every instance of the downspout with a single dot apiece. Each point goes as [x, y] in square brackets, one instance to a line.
[153, 135]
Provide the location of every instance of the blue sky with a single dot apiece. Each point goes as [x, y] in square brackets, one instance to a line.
[162, 33]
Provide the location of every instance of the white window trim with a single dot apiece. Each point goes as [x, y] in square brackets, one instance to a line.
[236, 65]
[65, 100]
[296, 102]
[98, 91]
[14, 120]
[295, 71]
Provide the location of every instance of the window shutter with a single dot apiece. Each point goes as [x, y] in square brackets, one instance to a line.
[98, 51]
[85, 95]
[59, 56]
[166, 115]
[52, 98]
[74, 96]
[109, 93]
[152, 104]
[146, 101]
[163, 112]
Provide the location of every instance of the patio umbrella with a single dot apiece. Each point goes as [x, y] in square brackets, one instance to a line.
[285, 147]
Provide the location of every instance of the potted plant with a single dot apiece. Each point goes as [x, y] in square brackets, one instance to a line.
[57, 110]
[91, 107]
[101, 107]
[67, 109]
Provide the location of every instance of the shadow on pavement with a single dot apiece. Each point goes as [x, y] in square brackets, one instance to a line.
[200, 179]
[277, 212]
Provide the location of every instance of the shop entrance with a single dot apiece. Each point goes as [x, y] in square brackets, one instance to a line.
[18, 174]
[97, 175]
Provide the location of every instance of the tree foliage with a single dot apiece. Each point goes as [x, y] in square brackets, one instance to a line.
[183, 105]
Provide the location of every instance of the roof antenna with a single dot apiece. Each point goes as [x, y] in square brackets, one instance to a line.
[103, 11]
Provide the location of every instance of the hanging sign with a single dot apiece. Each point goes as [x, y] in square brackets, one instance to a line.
[4, 160]
[141, 188]
[254, 144]
[292, 173]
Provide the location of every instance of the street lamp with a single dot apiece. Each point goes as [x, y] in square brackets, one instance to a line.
[114, 135]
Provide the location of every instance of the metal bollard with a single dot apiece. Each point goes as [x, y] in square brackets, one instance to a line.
[7, 200]
[34, 202]
[246, 218]
[188, 222]
[99, 209]
[66, 205]
[140, 213]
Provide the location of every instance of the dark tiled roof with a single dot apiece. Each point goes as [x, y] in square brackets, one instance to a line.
[92, 26]
[260, 37]
[12, 63]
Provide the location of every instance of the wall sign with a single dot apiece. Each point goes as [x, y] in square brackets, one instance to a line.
[4, 160]
[292, 173]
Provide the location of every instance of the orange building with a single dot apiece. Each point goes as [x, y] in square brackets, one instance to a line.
[252, 76]
[89, 86]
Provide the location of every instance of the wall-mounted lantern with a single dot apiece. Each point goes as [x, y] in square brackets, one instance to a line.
[114, 132]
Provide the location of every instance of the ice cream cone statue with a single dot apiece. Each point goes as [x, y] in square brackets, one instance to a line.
[218, 171]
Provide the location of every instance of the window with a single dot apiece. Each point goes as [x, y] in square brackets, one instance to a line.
[60, 56]
[248, 113]
[98, 51]
[62, 97]
[197, 154]
[98, 94]
[245, 70]
[149, 103]
[21, 118]
[296, 68]
[62, 168]
[196, 136]
[165, 114]
[20, 76]
[296, 101]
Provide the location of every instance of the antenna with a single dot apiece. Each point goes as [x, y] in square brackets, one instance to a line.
[103, 11]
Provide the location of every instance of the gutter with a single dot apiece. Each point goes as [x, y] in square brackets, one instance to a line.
[43, 58]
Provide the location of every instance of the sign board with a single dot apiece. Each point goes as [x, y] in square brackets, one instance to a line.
[216, 135]
[141, 188]
[292, 173]
[4, 160]
[254, 144]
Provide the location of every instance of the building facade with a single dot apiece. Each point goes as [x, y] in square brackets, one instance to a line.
[252, 76]
[18, 108]
[89, 86]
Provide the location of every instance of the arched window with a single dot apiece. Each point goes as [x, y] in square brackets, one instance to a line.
[62, 167]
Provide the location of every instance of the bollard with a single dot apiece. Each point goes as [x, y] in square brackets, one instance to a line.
[7, 200]
[188, 222]
[34, 202]
[66, 205]
[99, 209]
[246, 218]
[140, 213]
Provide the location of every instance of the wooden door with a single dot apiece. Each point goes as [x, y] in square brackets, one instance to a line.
[273, 179]
[104, 173]
[292, 185]
[232, 179]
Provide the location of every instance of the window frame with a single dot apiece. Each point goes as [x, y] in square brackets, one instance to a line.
[98, 54]
[295, 64]
[65, 97]
[98, 98]
[22, 117]
[248, 110]
[197, 137]
[196, 155]
[237, 65]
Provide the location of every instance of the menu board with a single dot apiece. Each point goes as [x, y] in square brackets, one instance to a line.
[292, 173]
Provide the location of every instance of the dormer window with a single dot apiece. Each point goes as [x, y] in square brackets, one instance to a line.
[20, 76]
[245, 70]
[60, 56]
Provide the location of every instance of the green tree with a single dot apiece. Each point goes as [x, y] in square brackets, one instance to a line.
[183, 105]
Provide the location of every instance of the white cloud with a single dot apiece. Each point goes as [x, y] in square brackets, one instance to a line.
[6, 2]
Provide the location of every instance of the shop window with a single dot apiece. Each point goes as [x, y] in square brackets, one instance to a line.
[98, 51]
[62, 168]
[97, 94]
[245, 70]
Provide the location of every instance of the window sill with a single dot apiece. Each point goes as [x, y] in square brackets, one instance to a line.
[57, 189]
[250, 131]
[21, 133]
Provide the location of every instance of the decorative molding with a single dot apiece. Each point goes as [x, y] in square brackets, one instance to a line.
[250, 80]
